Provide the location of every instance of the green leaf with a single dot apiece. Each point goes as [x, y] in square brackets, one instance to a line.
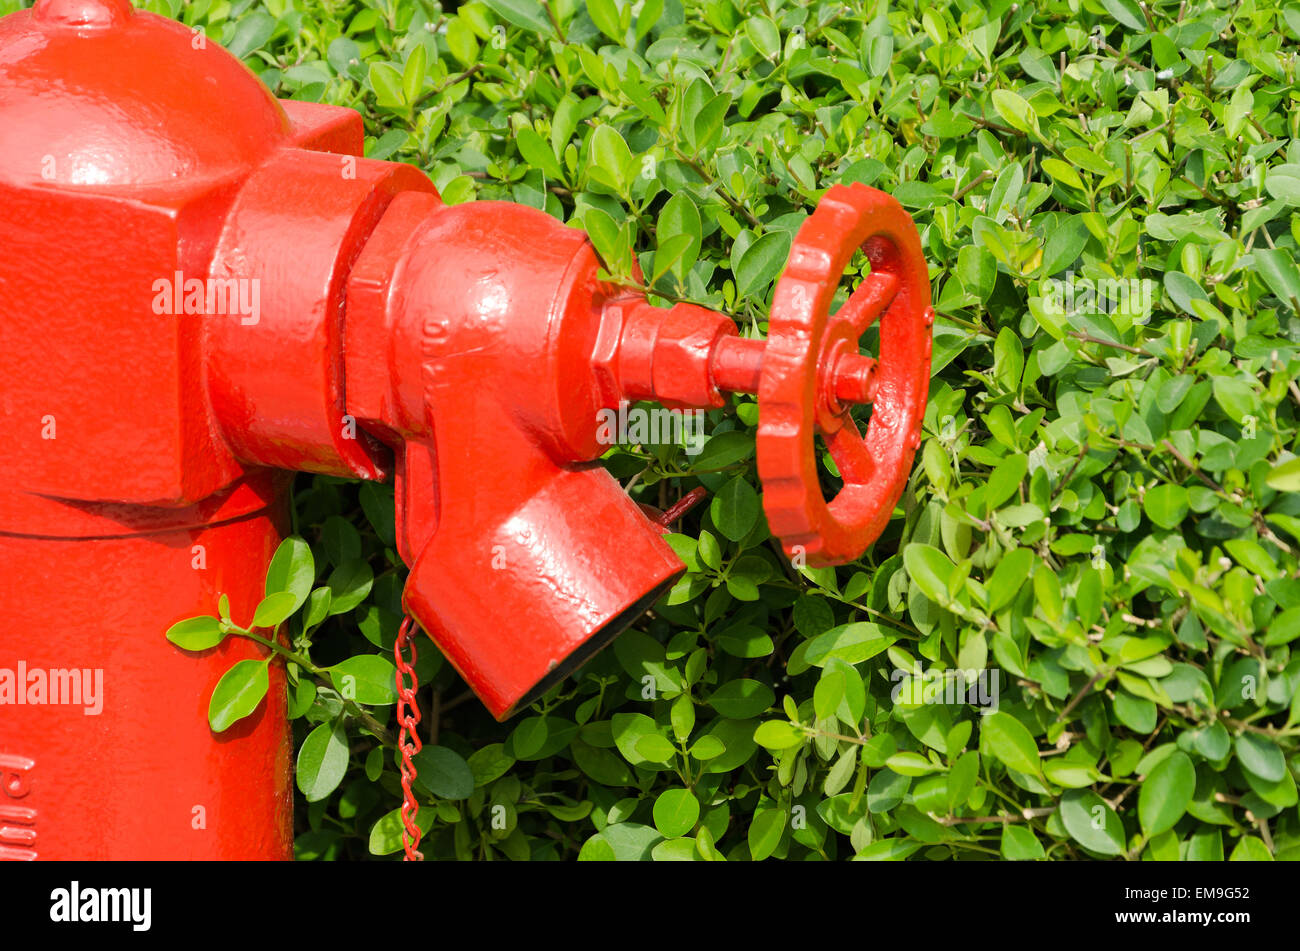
[318, 607]
[1019, 844]
[1014, 110]
[910, 764]
[341, 540]
[1250, 849]
[387, 84]
[765, 832]
[443, 773]
[1166, 505]
[366, 678]
[604, 13]
[274, 609]
[829, 693]
[742, 699]
[679, 218]
[1165, 793]
[1261, 756]
[1235, 396]
[762, 262]
[1063, 173]
[1005, 738]
[536, 151]
[237, 694]
[1284, 628]
[709, 552]
[1091, 822]
[386, 834]
[196, 633]
[1285, 477]
[655, 748]
[1281, 274]
[1009, 577]
[489, 763]
[1005, 478]
[735, 509]
[930, 570]
[1126, 12]
[763, 33]
[675, 812]
[292, 569]
[525, 14]
[349, 585]
[1063, 246]
[610, 154]
[322, 761]
[778, 735]
[675, 850]
[414, 73]
[252, 32]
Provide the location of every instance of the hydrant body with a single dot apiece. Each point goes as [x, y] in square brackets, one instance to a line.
[204, 289]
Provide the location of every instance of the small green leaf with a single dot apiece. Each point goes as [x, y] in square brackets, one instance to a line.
[1005, 738]
[196, 633]
[1126, 12]
[765, 832]
[386, 834]
[929, 570]
[778, 735]
[1261, 756]
[1091, 822]
[610, 154]
[735, 508]
[675, 812]
[274, 609]
[536, 151]
[763, 33]
[414, 73]
[237, 694]
[525, 14]
[387, 84]
[1166, 505]
[443, 773]
[349, 585]
[742, 699]
[1165, 793]
[366, 678]
[322, 761]
[1285, 477]
[1009, 577]
[1019, 844]
[680, 219]
[292, 569]
[1250, 849]
[762, 262]
[655, 747]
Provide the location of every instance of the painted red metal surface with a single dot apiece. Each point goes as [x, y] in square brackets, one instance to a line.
[204, 288]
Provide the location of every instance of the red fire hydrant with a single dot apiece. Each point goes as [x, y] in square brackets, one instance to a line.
[205, 289]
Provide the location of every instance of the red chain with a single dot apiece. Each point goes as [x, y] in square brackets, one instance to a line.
[408, 737]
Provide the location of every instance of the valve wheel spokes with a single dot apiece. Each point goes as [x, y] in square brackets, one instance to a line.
[813, 373]
[871, 299]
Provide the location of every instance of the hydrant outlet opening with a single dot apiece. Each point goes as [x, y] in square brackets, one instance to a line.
[595, 644]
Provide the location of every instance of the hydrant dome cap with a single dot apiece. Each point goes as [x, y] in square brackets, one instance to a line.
[94, 94]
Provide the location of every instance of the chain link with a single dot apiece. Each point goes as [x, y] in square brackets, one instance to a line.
[408, 737]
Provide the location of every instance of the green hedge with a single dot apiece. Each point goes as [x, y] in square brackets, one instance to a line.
[1103, 512]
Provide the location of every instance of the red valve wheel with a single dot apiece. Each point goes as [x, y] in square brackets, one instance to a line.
[812, 373]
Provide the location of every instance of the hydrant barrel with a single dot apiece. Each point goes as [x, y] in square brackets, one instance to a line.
[105, 749]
